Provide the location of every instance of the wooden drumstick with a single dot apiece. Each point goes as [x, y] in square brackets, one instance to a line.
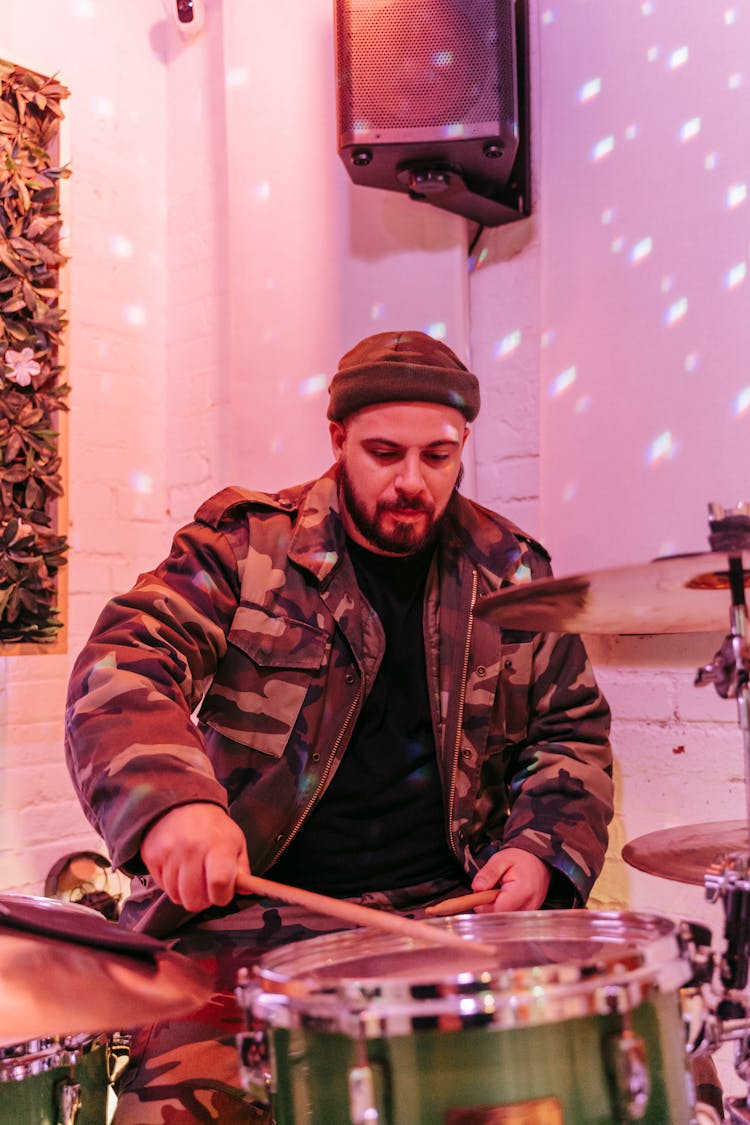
[462, 903]
[362, 915]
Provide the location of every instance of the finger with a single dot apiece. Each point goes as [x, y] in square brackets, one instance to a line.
[192, 892]
[221, 870]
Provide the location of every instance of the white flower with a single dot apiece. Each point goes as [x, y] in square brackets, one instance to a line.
[22, 366]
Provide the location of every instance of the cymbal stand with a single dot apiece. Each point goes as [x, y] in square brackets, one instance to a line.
[729, 672]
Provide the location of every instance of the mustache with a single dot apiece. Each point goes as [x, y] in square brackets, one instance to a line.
[404, 503]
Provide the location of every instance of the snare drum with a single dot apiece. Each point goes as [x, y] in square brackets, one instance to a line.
[55, 1081]
[577, 1022]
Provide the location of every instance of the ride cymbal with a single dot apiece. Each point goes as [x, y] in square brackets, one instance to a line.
[675, 594]
[684, 854]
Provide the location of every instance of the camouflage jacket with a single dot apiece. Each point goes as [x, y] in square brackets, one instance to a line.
[256, 621]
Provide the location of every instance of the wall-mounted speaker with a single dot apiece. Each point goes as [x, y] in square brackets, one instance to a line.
[432, 100]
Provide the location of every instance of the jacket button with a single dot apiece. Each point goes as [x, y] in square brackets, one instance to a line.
[280, 837]
[466, 752]
[508, 665]
[316, 757]
[349, 677]
[481, 670]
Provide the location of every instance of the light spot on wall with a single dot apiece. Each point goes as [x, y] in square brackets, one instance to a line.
[583, 404]
[589, 90]
[142, 483]
[570, 491]
[667, 283]
[508, 344]
[730, 16]
[653, 54]
[678, 58]
[563, 381]
[438, 330]
[102, 107]
[313, 385]
[121, 246]
[742, 402]
[710, 161]
[376, 311]
[632, 132]
[641, 250]
[603, 148]
[262, 191]
[608, 216]
[735, 276]
[692, 361]
[548, 16]
[238, 76]
[736, 194]
[84, 9]
[735, 81]
[547, 338]
[647, 8]
[662, 448]
[690, 129]
[617, 244]
[134, 315]
[676, 312]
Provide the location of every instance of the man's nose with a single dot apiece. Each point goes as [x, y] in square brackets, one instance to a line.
[409, 478]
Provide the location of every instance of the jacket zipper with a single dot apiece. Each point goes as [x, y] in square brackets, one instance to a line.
[460, 715]
[321, 784]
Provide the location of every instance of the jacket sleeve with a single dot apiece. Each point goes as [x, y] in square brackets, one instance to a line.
[131, 746]
[559, 776]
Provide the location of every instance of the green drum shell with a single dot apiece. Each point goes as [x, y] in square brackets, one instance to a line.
[533, 1038]
[30, 1074]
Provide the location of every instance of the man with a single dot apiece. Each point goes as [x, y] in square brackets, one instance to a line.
[359, 732]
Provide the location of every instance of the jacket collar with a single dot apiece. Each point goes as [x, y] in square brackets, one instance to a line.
[318, 542]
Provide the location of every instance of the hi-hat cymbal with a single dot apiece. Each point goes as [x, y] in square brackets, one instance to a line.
[685, 853]
[57, 986]
[675, 594]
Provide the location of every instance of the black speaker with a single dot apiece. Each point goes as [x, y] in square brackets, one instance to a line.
[432, 100]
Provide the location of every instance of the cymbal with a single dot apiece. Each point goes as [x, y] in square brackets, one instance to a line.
[684, 854]
[674, 594]
[56, 986]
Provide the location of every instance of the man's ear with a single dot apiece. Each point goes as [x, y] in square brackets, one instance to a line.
[338, 437]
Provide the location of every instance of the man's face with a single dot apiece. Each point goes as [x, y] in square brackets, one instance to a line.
[399, 463]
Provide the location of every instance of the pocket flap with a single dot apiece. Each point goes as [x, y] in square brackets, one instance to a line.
[277, 641]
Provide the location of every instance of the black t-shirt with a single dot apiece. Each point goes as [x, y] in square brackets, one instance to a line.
[381, 822]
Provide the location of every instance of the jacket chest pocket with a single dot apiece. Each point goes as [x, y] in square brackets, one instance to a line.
[271, 666]
[516, 663]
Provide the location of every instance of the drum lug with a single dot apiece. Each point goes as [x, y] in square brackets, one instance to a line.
[631, 1081]
[68, 1098]
[362, 1095]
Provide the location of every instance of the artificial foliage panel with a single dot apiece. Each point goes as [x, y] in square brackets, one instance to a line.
[32, 388]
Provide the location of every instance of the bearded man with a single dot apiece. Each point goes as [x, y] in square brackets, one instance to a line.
[359, 732]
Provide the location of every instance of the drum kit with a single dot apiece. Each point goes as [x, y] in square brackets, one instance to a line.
[552, 1017]
[582, 1017]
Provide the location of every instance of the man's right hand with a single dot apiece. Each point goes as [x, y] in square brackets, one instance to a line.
[195, 853]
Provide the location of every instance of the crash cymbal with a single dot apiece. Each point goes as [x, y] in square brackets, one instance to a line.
[685, 854]
[57, 986]
[675, 594]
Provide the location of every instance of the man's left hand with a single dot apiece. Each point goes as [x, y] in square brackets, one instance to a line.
[523, 880]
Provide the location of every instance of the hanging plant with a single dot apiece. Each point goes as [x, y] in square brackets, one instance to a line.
[31, 326]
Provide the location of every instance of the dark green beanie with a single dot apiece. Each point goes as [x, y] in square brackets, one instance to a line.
[401, 367]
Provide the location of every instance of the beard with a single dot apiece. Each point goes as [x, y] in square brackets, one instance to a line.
[406, 538]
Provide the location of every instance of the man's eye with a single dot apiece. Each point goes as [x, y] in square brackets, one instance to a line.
[382, 454]
[437, 458]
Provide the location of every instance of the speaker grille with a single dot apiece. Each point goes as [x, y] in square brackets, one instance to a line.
[424, 64]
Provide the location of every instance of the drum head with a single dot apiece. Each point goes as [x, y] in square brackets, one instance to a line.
[557, 952]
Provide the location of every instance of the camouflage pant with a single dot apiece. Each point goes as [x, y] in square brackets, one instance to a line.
[186, 1071]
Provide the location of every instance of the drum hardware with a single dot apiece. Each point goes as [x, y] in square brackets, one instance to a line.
[631, 1080]
[361, 1083]
[68, 1098]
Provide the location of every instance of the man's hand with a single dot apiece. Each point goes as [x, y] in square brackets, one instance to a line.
[194, 853]
[523, 880]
